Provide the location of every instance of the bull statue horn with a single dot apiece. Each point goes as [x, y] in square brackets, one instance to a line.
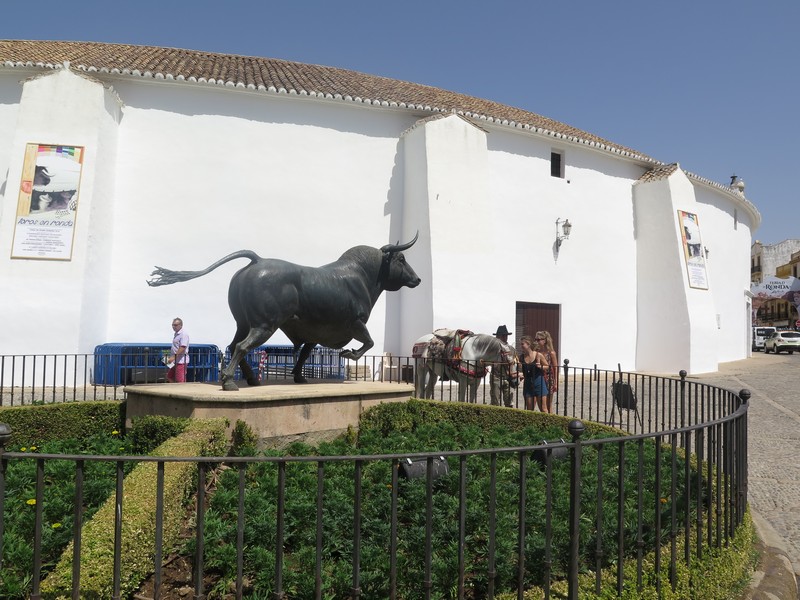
[398, 247]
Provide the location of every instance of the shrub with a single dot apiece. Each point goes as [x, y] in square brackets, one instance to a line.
[40, 424]
[150, 431]
[721, 574]
[244, 441]
[138, 528]
[57, 502]
[420, 426]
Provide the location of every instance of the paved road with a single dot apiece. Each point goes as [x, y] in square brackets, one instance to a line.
[774, 439]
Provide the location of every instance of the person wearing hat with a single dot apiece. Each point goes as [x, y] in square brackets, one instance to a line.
[499, 380]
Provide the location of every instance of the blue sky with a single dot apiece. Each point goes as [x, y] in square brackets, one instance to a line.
[711, 84]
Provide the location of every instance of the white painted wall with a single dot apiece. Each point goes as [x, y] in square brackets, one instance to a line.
[205, 172]
[62, 304]
[726, 233]
[592, 276]
[678, 325]
[187, 173]
[10, 93]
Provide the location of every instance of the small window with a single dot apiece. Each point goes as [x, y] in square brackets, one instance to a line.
[557, 164]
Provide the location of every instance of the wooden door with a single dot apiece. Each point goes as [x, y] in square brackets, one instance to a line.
[537, 316]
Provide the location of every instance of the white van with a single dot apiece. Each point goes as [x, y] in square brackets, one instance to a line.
[760, 334]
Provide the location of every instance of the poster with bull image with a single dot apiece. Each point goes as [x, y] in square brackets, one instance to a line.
[693, 250]
[48, 202]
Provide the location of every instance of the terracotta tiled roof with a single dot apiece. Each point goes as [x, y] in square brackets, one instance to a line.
[285, 77]
[659, 172]
[280, 76]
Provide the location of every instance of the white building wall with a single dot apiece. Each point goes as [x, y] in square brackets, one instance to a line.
[190, 173]
[592, 277]
[10, 93]
[64, 301]
[462, 244]
[677, 323]
[205, 172]
[726, 235]
[774, 255]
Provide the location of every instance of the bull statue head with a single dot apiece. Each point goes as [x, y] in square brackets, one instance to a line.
[395, 273]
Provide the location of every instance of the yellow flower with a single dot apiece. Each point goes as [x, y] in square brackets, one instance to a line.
[56, 525]
[115, 432]
[33, 448]
[23, 449]
[31, 501]
[663, 501]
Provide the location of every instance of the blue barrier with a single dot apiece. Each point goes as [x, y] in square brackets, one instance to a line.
[273, 360]
[129, 363]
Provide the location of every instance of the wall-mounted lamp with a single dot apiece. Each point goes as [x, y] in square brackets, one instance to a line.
[562, 235]
[707, 251]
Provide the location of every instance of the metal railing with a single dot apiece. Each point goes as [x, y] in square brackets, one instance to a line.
[696, 461]
[634, 402]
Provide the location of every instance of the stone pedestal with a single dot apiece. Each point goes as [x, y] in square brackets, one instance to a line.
[277, 412]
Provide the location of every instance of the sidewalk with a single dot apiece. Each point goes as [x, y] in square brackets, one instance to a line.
[773, 466]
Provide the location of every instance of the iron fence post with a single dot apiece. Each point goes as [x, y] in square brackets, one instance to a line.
[742, 450]
[682, 374]
[576, 429]
[5, 437]
[566, 386]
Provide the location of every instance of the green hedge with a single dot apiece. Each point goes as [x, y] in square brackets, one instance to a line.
[35, 425]
[200, 438]
[407, 416]
[722, 574]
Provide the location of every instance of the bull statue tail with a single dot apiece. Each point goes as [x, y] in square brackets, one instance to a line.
[162, 276]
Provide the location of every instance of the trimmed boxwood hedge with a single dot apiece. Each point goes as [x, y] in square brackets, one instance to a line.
[722, 574]
[37, 424]
[406, 416]
[200, 438]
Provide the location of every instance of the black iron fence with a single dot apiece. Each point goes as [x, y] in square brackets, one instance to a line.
[102, 375]
[670, 491]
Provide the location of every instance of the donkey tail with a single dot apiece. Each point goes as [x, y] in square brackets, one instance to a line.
[162, 276]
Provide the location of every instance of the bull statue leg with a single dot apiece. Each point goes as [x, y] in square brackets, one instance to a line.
[240, 346]
[305, 352]
[360, 334]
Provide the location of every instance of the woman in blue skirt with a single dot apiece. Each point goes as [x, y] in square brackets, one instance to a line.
[534, 386]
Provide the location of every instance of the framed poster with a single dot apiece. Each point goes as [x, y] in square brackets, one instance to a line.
[693, 250]
[48, 202]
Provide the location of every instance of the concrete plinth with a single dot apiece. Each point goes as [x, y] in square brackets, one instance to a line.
[277, 412]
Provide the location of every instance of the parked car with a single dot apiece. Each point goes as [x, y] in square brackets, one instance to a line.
[760, 334]
[782, 340]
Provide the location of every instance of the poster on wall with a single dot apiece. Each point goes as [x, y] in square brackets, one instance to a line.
[775, 288]
[693, 250]
[48, 202]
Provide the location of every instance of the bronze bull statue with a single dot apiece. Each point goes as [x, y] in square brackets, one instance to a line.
[328, 305]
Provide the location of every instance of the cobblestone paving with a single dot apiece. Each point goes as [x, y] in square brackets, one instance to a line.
[773, 438]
